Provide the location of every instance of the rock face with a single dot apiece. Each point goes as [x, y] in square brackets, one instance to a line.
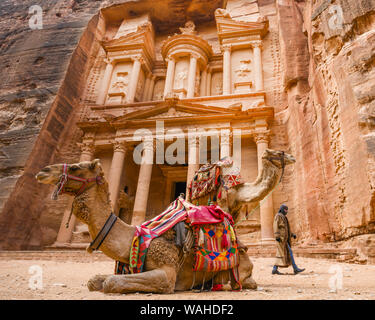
[328, 53]
[323, 58]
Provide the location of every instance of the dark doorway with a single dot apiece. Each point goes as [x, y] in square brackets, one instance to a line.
[179, 187]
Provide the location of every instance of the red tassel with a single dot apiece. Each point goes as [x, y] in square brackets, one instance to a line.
[217, 287]
[219, 195]
[224, 242]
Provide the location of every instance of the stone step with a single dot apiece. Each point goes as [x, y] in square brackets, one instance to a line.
[338, 254]
[57, 255]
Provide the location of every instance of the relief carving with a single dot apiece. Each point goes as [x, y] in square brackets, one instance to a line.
[242, 83]
[189, 28]
[180, 79]
[243, 71]
[121, 83]
[119, 88]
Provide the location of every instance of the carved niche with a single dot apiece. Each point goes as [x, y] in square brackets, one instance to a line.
[217, 83]
[242, 83]
[118, 90]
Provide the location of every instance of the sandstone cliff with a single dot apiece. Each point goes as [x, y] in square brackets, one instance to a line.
[329, 79]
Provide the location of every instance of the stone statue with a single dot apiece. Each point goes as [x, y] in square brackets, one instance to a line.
[222, 13]
[121, 82]
[180, 79]
[189, 28]
[244, 69]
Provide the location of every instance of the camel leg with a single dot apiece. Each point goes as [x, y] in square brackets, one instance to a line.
[160, 280]
[96, 282]
[246, 269]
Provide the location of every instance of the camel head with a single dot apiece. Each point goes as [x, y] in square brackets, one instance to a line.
[76, 175]
[278, 157]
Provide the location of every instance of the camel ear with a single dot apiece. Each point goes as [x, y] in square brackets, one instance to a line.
[95, 165]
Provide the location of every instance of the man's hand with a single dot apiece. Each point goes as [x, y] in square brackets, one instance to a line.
[278, 239]
[294, 235]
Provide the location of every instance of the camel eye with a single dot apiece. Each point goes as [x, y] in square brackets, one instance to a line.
[74, 168]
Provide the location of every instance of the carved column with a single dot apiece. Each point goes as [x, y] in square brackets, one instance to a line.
[193, 159]
[105, 83]
[115, 172]
[225, 143]
[170, 76]
[64, 235]
[151, 89]
[266, 205]
[257, 49]
[134, 78]
[208, 82]
[203, 83]
[143, 187]
[147, 88]
[226, 69]
[191, 76]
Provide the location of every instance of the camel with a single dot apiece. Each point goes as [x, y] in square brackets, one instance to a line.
[162, 272]
[251, 193]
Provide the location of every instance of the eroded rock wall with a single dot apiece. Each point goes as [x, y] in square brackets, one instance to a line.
[330, 115]
[41, 86]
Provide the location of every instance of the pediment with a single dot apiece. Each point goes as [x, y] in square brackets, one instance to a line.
[177, 111]
[140, 37]
[227, 27]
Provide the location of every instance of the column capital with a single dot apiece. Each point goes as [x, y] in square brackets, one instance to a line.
[226, 137]
[138, 57]
[148, 144]
[108, 60]
[170, 58]
[257, 44]
[226, 47]
[193, 141]
[262, 137]
[87, 147]
[119, 146]
[194, 55]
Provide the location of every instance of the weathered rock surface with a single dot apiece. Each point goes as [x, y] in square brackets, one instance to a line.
[330, 113]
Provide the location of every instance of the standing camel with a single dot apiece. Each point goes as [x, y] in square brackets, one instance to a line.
[162, 274]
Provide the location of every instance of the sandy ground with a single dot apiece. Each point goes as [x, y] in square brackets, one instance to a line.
[67, 280]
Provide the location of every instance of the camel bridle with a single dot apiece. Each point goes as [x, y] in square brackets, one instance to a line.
[60, 186]
[60, 189]
[282, 160]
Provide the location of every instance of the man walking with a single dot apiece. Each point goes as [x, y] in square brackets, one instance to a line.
[284, 254]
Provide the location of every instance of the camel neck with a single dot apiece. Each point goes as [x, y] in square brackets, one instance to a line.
[93, 208]
[268, 177]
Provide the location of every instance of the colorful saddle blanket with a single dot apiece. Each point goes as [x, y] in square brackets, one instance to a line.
[211, 177]
[215, 240]
[208, 215]
[216, 247]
